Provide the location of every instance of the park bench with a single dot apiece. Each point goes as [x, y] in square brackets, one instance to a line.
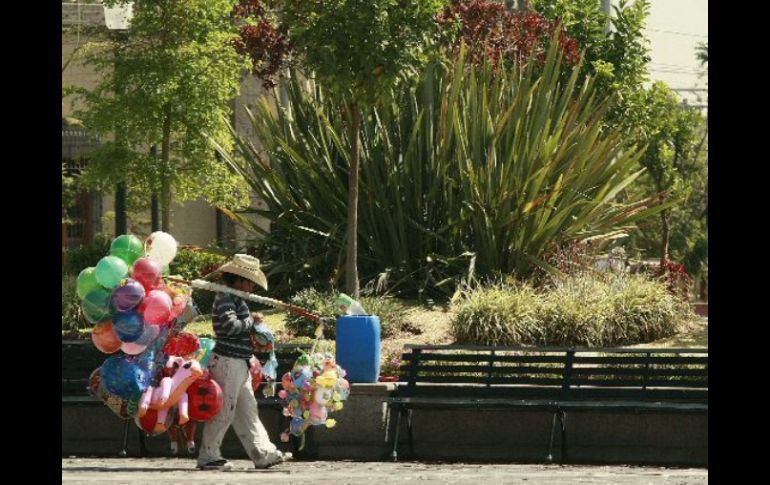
[81, 357]
[555, 380]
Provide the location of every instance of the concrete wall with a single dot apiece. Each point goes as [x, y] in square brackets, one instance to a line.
[364, 429]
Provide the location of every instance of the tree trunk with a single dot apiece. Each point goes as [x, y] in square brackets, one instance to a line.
[165, 187]
[121, 216]
[154, 200]
[351, 266]
[665, 236]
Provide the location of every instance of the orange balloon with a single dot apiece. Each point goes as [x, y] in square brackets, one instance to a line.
[105, 339]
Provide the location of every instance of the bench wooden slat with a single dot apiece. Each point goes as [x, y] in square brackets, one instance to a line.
[639, 371]
[555, 359]
[496, 370]
[635, 383]
[479, 391]
[652, 360]
[493, 380]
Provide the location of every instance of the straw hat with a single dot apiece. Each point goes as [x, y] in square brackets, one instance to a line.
[245, 266]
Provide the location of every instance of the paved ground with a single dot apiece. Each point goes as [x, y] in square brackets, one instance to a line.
[166, 471]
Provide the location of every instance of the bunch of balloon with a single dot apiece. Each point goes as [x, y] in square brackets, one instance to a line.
[132, 307]
[315, 387]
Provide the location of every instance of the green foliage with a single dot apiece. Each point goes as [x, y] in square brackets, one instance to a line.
[498, 316]
[87, 255]
[361, 47]
[676, 159]
[585, 309]
[390, 311]
[69, 190]
[470, 161]
[619, 58]
[289, 273]
[676, 153]
[70, 304]
[168, 83]
[359, 50]
[610, 311]
[702, 53]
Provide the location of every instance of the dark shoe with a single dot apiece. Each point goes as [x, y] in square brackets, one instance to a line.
[221, 465]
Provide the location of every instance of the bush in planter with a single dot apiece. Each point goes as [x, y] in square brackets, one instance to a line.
[585, 310]
[390, 311]
[577, 312]
[498, 315]
[609, 310]
[645, 310]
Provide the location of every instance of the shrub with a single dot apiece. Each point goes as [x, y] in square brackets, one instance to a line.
[498, 315]
[87, 255]
[582, 310]
[71, 319]
[500, 163]
[390, 311]
[319, 302]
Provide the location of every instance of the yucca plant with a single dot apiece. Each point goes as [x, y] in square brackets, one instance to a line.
[470, 160]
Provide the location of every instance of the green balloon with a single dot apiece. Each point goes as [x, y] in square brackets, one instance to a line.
[87, 281]
[96, 305]
[127, 247]
[110, 271]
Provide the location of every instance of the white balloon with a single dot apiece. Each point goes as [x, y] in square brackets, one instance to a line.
[161, 247]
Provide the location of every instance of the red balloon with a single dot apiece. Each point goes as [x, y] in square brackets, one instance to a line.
[182, 344]
[105, 339]
[147, 272]
[156, 307]
[205, 399]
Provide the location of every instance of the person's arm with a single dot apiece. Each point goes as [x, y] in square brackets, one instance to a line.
[226, 321]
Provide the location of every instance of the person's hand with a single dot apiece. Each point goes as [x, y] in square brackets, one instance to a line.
[258, 317]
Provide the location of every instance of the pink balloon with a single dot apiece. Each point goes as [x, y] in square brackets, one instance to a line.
[156, 307]
[132, 348]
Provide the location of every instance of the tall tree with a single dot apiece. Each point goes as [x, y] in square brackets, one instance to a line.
[358, 50]
[169, 84]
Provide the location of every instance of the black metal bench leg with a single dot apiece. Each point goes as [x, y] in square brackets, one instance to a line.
[124, 451]
[409, 430]
[563, 422]
[549, 458]
[394, 453]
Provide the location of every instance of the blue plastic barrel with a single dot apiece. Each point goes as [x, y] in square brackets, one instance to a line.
[358, 347]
